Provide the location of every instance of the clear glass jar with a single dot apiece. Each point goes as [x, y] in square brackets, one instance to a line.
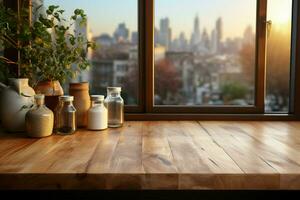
[97, 114]
[56, 115]
[115, 107]
[66, 116]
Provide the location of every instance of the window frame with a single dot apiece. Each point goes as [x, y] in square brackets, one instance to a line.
[145, 110]
[260, 71]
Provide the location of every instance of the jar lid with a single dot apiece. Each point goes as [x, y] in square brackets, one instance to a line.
[114, 89]
[97, 97]
[66, 98]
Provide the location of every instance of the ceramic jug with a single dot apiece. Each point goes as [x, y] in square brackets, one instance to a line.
[15, 101]
[80, 91]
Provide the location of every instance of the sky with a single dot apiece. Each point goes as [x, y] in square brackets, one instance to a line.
[105, 15]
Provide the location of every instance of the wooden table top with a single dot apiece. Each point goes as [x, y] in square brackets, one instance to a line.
[157, 155]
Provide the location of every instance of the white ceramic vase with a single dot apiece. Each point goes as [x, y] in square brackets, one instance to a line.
[15, 101]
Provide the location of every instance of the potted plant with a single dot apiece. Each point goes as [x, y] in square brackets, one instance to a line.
[17, 97]
[56, 52]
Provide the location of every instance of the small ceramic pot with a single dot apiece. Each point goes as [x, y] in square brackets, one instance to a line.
[52, 90]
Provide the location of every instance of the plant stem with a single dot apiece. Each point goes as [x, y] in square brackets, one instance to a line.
[18, 42]
[6, 60]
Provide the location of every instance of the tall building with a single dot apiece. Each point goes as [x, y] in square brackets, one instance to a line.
[38, 8]
[205, 40]
[219, 33]
[121, 34]
[165, 33]
[156, 36]
[135, 38]
[104, 40]
[196, 36]
[249, 36]
[183, 42]
[213, 41]
[82, 30]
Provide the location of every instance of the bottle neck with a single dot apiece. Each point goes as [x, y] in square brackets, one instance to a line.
[67, 103]
[39, 102]
[96, 103]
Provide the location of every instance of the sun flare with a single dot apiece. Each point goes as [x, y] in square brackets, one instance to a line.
[278, 12]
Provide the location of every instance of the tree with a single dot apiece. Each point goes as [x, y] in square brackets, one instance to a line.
[166, 78]
[247, 59]
[233, 90]
[131, 83]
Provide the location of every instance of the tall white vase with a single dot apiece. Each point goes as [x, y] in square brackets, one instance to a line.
[15, 101]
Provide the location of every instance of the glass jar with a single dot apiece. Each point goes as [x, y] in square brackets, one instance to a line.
[115, 107]
[97, 114]
[56, 114]
[66, 116]
[39, 119]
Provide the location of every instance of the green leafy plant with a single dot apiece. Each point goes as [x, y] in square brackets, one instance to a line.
[14, 33]
[234, 90]
[56, 52]
[48, 48]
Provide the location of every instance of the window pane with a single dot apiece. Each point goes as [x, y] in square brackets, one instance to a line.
[113, 26]
[206, 54]
[278, 56]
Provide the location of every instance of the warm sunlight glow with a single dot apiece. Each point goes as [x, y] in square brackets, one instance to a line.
[277, 12]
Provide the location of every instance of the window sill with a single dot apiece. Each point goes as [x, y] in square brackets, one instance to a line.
[225, 117]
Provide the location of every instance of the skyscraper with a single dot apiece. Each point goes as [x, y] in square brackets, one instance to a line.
[214, 43]
[205, 39]
[182, 41]
[134, 38]
[121, 34]
[38, 8]
[82, 30]
[165, 33]
[249, 36]
[196, 36]
[219, 33]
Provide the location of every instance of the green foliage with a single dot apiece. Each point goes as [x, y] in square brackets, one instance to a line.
[49, 49]
[14, 33]
[55, 52]
[233, 90]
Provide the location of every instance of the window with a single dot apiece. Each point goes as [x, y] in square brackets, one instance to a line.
[113, 26]
[207, 52]
[278, 56]
[216, 57]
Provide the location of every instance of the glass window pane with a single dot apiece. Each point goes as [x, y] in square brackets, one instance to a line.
[278, 56]
[113, 26]
[205, 52]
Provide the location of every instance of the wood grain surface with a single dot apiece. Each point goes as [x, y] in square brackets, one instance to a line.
[157, 155]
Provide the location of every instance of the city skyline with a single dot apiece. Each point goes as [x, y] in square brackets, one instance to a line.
[237, 15]
[126, 11]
